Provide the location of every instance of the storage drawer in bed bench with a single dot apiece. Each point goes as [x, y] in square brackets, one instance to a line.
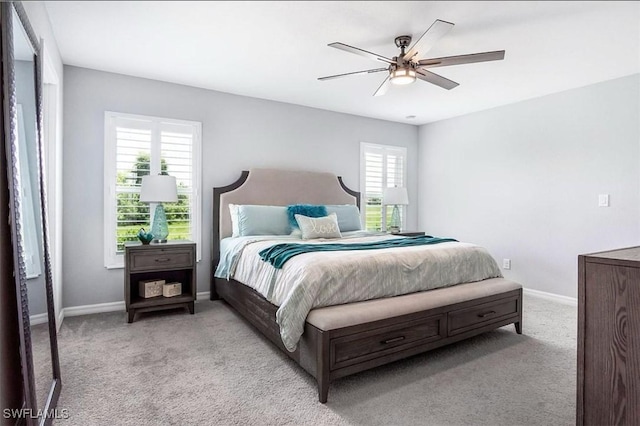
[462, 320]
[371, 344]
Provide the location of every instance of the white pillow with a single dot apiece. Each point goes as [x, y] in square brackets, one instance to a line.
[319, 227]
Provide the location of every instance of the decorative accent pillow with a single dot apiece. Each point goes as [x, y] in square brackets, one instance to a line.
[348, 216]
[309, 210]
[262, 220]
[319, 227]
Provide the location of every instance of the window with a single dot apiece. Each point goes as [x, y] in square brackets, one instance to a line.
[381, 166]
[136, 146]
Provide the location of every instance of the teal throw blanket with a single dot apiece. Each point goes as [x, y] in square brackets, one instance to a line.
[279, 254]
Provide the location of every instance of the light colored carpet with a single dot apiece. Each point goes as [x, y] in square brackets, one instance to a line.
[173, 368]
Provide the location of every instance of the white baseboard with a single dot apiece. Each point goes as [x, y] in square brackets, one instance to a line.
[203, 295]
[74, 311]
[565, 300]
[38, 319]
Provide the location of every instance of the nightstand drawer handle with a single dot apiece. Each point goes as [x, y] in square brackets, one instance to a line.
[163, 259]
[392, 340]
[486, 314]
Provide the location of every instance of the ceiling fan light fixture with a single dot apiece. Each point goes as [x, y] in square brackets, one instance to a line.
[401, 76]
[411, 65]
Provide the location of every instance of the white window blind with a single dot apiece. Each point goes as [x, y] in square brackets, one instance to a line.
[136, 146]
[381, 166]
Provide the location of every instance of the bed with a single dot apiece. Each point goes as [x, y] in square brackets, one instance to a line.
[347, 338]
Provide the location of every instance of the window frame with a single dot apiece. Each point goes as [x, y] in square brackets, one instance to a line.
[367, 147]
[113, 259]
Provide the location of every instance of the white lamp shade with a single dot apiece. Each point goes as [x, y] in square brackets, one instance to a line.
[395, 196]
[159, 189]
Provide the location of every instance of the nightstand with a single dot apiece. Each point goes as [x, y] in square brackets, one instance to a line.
[410, 233]
[173, 261]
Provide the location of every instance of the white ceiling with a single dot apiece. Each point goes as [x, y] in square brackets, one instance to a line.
[277, 50]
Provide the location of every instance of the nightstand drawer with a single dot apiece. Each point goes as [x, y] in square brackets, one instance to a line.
[160, 259]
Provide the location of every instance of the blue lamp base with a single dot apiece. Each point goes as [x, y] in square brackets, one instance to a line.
[394, 224]
[160, 228]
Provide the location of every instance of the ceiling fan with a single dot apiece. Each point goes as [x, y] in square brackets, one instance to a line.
[407, 66]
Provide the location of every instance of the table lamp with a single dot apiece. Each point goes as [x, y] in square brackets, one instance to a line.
[159, 189]
[395, 196]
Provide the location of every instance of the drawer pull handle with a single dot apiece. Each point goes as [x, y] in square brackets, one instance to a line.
[163, 259]
[486, 314]
[392, 340]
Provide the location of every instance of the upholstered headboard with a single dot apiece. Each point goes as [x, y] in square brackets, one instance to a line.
[279, 188]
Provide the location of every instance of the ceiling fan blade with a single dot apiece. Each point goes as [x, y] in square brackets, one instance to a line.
[436, 79]
[352, 73]
[429, 38]
[361, 52]
[383, 87]
[462, 59]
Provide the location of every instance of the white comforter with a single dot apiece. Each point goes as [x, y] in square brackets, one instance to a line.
[318, 279]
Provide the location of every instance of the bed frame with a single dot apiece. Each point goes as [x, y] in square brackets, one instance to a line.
[347, 339]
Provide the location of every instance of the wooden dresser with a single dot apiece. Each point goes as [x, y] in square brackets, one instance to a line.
[609, 338]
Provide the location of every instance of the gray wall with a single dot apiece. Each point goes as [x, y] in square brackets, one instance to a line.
[238, 133]
[523, 180]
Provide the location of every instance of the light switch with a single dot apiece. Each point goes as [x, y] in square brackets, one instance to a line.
[603, 200]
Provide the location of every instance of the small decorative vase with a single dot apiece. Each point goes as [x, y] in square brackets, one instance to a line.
[144, 236]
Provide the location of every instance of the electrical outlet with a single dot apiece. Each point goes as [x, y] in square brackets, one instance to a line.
[506, 263]
[603, 200]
